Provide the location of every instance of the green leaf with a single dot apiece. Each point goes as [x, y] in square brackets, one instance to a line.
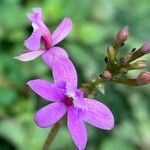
[12, 131]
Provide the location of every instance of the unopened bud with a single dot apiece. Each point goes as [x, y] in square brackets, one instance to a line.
[143, 78]
[111, 54]
[122, 35]
[141, 64]
[145, 49]
[106, 75]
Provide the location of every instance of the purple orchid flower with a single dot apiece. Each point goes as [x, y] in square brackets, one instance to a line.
[68, 99]
[42, 34]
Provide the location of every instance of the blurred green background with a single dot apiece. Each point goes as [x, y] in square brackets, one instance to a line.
[95, 24]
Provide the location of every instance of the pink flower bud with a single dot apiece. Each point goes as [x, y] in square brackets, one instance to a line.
[145, 48]
[143, 78]
[122, 35]
[106, 75]
[141, 64]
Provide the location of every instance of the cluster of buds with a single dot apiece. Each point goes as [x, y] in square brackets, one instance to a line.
[117, 67]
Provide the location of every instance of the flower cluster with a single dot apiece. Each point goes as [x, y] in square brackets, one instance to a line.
[63, 92]
[118, 67]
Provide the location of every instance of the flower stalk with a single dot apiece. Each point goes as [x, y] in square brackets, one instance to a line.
[52, 135]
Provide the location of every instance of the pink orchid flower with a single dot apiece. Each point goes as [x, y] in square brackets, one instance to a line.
[66, 98]
[42, 34]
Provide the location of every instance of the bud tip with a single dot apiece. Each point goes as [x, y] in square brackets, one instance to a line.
[122, 35]
[143, 78]
[146, 47]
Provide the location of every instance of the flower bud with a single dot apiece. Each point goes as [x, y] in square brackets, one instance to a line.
[145, 49]
[143, 78]
[106, 75]
[141, 64]
[122, 35]
[111, 54]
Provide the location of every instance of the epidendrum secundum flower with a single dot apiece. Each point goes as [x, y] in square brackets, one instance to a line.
[66, 98]
[42, 34]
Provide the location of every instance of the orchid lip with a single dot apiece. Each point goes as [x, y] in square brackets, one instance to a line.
[70, 98]
[69, 101]
[47, 42]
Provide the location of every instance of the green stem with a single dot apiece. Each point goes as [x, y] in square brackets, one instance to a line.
[116, 46]
[52, 135]
[130, 82]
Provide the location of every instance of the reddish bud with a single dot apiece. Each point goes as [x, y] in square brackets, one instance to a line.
[145, 48]
[106, 75]
[143, 78]
[122, 35]
[141, 64]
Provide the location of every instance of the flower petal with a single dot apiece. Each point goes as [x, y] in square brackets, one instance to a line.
[29, 55]
[35, 15]
[46, 90]
[63, 29]
[33, 42]
[99, 115]
[77, 129]
[61, 85]
[64, 70]
[40, 31]
[58, 51]
[50, 114]
[49, 55]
